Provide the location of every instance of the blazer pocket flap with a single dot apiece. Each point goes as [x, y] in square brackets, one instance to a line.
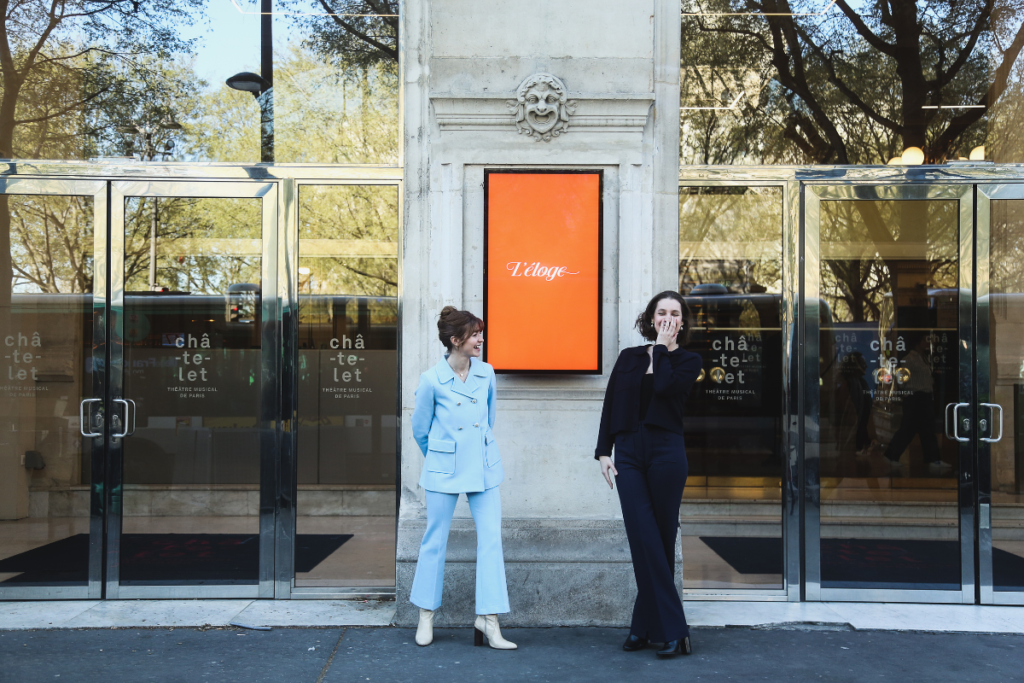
[441, 446]
[488, 439]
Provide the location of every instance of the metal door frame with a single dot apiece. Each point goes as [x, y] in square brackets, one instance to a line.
[813, 194]
[270, 388]
[986, 192]
[790, 446]
[97, 190]
[279, 183]
[288, 288]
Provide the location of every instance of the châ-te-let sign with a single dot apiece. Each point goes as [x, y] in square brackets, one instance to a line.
[542, 279]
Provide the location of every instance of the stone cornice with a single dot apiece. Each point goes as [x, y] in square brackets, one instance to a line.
[606, 113]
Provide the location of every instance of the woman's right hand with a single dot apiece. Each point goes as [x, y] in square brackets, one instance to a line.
[607, 469]
[668, 331]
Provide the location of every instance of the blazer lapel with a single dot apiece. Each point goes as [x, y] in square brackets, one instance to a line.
[639, 354]
[467, 388]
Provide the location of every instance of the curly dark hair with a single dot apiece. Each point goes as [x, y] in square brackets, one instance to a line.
[645, 321]
[455, 323]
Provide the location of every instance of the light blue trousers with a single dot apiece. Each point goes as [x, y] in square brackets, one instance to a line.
[491, 590]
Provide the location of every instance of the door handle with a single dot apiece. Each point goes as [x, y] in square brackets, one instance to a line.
[956, 423]
[945, 421]
[135, 412]
[125, 432]
[81, 416]
[991, 407]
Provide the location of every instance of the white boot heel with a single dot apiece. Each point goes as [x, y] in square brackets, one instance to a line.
[425, 630]
[487, 625]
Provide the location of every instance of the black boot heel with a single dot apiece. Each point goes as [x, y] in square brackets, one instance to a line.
[478, 637]
[674, 648]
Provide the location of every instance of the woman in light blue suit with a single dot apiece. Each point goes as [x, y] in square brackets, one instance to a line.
[455, 408]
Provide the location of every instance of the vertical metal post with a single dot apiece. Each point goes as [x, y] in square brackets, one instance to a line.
[152, 247]
[266, 97]
[266, 101]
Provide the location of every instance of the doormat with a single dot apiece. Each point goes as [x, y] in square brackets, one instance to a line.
[856, 562]
[194, 559]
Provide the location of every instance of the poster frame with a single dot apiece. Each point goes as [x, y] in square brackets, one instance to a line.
[599, 365]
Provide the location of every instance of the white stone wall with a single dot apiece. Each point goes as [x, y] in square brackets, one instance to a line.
[463, 60]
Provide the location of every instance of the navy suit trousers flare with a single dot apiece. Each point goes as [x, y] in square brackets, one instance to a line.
[652, 469]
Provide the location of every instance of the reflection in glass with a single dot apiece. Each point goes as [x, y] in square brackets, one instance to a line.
[93, 79]
[348, 383]
[1006, 379]
[888, 368]
[730, 271]
[46, 370]
[192, 358]
[809, 82]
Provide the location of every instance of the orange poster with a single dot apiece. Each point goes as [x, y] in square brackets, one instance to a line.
[542, 287]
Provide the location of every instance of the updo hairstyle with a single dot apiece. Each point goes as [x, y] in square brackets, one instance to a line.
[645, 321]
[455, 323]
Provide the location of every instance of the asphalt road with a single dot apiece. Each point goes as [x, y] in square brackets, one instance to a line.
[560, 655]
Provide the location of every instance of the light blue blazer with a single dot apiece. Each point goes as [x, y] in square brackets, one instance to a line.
[452, 424]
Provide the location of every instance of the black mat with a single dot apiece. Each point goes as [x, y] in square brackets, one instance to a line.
[165, 558]
[747, 554]
[854, 562]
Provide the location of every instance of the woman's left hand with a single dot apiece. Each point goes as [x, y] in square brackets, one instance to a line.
[667, 332]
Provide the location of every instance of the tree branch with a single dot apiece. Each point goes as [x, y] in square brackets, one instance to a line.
[65, 110]
[965, 53]
[864, 31]
[351, 30]
[944, 143]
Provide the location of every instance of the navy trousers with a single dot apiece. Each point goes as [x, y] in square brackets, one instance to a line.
[652, 469]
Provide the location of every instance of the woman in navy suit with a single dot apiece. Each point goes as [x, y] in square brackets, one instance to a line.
[456, 402]
[643, 419]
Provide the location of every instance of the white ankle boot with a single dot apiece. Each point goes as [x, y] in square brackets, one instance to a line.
[487, 625]
[425, 630]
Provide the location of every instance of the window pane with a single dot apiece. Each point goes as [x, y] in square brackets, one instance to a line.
[348, 381]
[119, 81]
[46, 370]
[889, 368]
[192, 356]
[1006, 378]
[730, 272]
[811, 82]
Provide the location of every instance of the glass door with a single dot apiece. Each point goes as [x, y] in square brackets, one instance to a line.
[887, 392]
[735, 521]
[53, 398]
[999, 375]
[195, 383]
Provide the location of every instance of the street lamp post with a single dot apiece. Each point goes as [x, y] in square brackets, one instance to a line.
[262, 86]
[147, 132]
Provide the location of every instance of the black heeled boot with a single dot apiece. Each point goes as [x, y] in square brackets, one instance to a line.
[634, 643]
[674, 648]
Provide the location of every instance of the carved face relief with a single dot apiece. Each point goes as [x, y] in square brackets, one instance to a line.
[542, 104]
[542, 107]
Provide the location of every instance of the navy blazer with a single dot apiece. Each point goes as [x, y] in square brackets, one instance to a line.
[674, 375]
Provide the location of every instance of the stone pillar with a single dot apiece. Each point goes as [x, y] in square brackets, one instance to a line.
[566, 555]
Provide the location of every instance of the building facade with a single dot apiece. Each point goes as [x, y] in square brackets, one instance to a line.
[214, 345]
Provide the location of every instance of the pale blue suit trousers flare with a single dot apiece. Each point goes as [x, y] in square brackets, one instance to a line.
[491, 589]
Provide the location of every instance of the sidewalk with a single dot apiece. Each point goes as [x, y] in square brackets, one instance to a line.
[335, 613]
[556, 655]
